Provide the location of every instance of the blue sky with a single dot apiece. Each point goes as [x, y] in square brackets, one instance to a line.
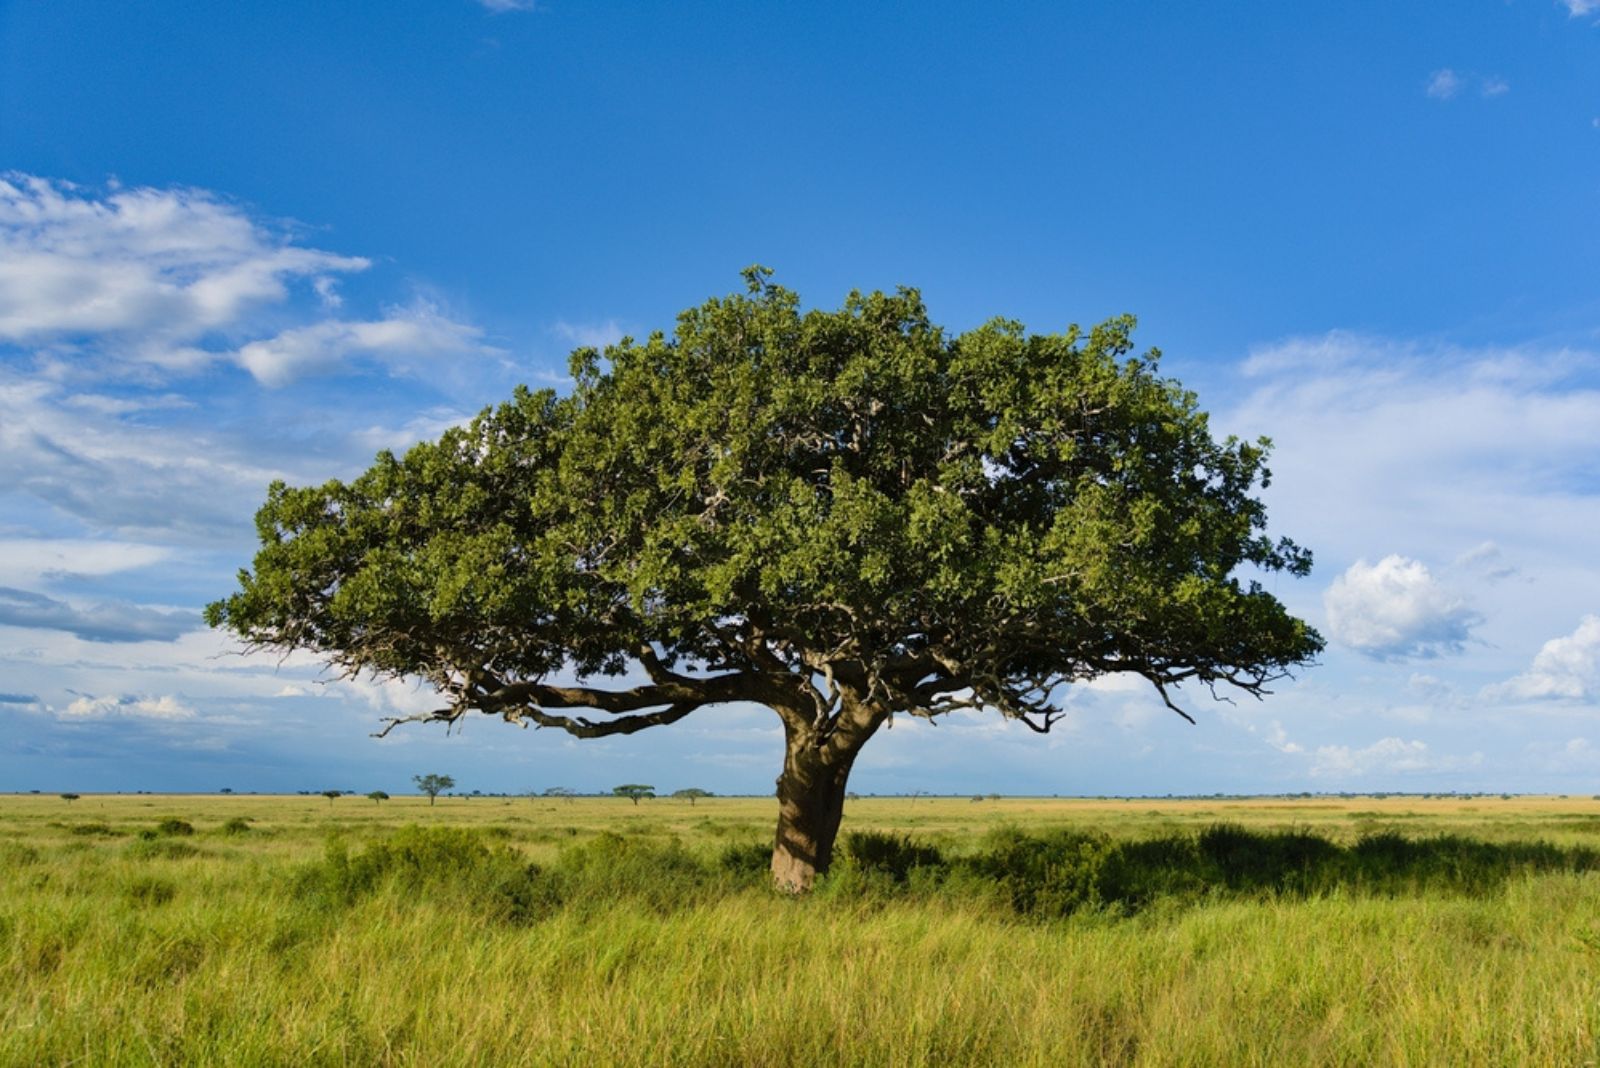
[248, 241]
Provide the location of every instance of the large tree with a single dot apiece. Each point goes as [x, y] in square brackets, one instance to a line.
[841, 515]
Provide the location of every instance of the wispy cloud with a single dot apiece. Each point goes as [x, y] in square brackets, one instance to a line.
[1580, 8]
[500, 7]
[114, 621]
[1444, 84]
[170, 281]
[1385, 756]
[589, 335]
[1447, 84]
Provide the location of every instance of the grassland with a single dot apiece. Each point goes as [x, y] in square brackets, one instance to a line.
[595, 932]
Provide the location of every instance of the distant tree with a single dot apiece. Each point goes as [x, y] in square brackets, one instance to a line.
[634, 791]
[843, 515]
[691, 794]
[378, 796]
[433, 785]
[331, 794]
[226, 790]
[69, 798]
[560, 791]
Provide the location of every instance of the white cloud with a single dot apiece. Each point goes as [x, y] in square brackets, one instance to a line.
[1579, 8]
[499, 7]
[1447, 84]
[25, 561]
[1444, 84]
[1387, 755]
[162, 266]
[165, 707]
[167, 281]
[121, 475]
[1566, 668]
[1395, 609]
[411, 334]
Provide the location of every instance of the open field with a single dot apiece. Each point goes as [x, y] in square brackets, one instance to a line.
[1014, 931]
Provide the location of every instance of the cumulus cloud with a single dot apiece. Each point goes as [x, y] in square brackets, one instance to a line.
[1566, 668]
[1579, 8]
[165, 707]
[1395, 609]
[114, 621]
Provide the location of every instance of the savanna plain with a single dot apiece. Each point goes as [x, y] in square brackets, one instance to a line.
[514, 931]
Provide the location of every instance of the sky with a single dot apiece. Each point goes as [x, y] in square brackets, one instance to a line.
[241, 242]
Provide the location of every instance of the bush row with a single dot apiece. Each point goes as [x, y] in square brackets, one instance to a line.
[1047, 875]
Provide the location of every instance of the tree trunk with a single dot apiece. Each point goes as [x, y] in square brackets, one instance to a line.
[810, 806]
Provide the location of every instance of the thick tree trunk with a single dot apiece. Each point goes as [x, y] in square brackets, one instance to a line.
[810, 805]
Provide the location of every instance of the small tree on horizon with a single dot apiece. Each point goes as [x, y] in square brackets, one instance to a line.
[69, 798]
[433, 785]
[331, 794]
[691, 794]
[378, 796]
[633, 791]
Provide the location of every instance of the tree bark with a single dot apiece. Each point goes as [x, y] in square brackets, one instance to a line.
[811, 799]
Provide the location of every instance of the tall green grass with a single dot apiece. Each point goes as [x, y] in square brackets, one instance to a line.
[493, 936]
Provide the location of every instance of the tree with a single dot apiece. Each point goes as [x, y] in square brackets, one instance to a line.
[691, 794]
[69, 798]
[634, 791]
[844, 516]
[560, 791]
[331, 794]
[378, 797]
[433, 785]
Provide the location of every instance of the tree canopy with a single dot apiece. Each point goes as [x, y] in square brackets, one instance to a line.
[843, 515]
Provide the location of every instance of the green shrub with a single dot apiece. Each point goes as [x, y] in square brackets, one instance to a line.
[237, 825]
[889, 854]
[436, 861]
[746, 861]
[102, 830]
[156, 848]
[173, 827]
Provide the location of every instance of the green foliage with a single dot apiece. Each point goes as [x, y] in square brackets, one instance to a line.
[633, 791]
[174, 826]
[100, 830]
[377, 796]
[69, 797]
[991, 513]
[235, 826]
[691, 794]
